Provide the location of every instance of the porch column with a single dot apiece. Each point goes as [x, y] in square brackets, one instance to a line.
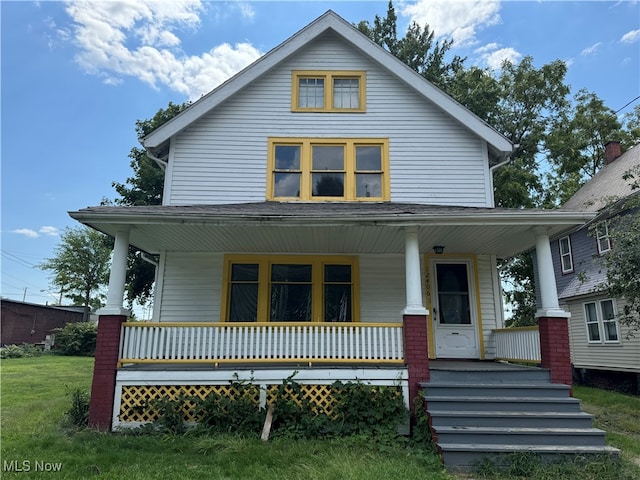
[416, 345]
[110, 319]
[553, 322]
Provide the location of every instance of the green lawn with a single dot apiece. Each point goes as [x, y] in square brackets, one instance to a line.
[34, 437]
[34, 399]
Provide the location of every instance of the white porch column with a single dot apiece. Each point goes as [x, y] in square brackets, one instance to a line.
[118, 276]
[413, 278]
[547, 280]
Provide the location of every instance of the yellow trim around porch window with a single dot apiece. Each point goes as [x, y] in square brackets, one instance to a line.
[361, 170]
[264, 283]
[328, 91]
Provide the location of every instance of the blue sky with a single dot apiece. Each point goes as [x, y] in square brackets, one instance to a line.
[77, 75]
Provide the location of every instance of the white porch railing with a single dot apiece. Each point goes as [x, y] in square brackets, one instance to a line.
[518, 344]
[261, 343]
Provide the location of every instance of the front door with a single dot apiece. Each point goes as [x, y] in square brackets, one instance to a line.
[454, 311]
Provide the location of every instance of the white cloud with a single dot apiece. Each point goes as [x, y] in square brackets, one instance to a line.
[141, 39]
[457, 19]
[49, 231]
[27, 232]
[494, 59]
[631, 37]
[592, 50]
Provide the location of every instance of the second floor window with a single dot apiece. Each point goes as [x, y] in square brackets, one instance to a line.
[328, 91]
[602, 238]
[328, 169]
[566, 259]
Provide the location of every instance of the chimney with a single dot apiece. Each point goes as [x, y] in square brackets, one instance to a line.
[611, 151]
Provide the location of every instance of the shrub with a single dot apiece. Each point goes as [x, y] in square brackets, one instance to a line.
[20, 351]
[78, 413]
[76, 339]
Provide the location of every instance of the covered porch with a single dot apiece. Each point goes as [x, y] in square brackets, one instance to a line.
[403, 235]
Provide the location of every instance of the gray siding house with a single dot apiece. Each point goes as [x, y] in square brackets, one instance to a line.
[598, 340]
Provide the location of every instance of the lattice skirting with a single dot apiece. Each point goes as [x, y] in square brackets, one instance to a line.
[137, 401]
[137, 392]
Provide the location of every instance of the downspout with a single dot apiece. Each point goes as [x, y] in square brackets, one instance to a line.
[148, 259]
[504, 162]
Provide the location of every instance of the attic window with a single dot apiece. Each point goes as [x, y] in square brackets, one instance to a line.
[328, 91]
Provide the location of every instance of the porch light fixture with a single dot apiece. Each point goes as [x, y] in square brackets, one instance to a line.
[438, 249]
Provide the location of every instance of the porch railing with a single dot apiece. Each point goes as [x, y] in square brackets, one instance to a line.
[518, 344]
[261, 343]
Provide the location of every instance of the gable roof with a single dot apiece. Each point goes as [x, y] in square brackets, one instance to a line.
[499, 145]
[607, 185]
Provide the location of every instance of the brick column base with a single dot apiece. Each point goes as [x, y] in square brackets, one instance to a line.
[104, 371]
[416, 352]
[554, 348]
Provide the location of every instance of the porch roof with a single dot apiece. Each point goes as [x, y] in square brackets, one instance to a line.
[328, 227]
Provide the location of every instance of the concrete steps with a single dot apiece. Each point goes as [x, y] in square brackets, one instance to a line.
[490, 411]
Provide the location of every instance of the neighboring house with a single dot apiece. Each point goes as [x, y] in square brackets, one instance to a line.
[22, 322]
[326, 211]
[598, 340]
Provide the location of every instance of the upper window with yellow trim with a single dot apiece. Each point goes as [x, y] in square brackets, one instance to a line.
[287, 288]
[328, 169]
[328, 91]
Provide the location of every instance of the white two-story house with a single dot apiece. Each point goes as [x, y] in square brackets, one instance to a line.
[326, 210]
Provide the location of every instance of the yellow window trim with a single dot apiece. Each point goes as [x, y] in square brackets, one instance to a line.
[350, 145]
[317, 282]
[328, 76]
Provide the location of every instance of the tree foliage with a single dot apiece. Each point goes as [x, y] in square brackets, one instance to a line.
[80, 266]
[144, 187]
[623, 262]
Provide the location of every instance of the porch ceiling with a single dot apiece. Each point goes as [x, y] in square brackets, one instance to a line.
[328, 227]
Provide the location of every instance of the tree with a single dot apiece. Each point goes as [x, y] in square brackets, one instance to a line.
[417, 48]
[80, 266]
[143, 188]
[577, 141]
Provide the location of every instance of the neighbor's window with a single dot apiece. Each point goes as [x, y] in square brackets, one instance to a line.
[328, 169]
[290, 289]
[602, 237]
[601, 321]
[566, 260]
[328, 91]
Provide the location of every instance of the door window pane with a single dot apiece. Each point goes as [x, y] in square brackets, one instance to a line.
[453, 294]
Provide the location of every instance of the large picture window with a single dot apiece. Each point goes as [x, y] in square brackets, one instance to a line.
[600, 318]
[328, 169]
[328, 91]
[290, 289]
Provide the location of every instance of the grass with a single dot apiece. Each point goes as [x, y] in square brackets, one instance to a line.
[36, 393]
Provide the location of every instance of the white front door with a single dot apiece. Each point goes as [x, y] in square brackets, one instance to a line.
[454, 311]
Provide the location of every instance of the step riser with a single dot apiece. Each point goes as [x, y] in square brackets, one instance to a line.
[495, 406]
[521, 421]
[591, 440]
[533, 376]
[496, 391]
[468, 461]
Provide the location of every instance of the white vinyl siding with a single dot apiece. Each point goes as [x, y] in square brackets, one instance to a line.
[222, 158]
[382, 288]
[620, 356]
[489, 315]
[191, 287]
